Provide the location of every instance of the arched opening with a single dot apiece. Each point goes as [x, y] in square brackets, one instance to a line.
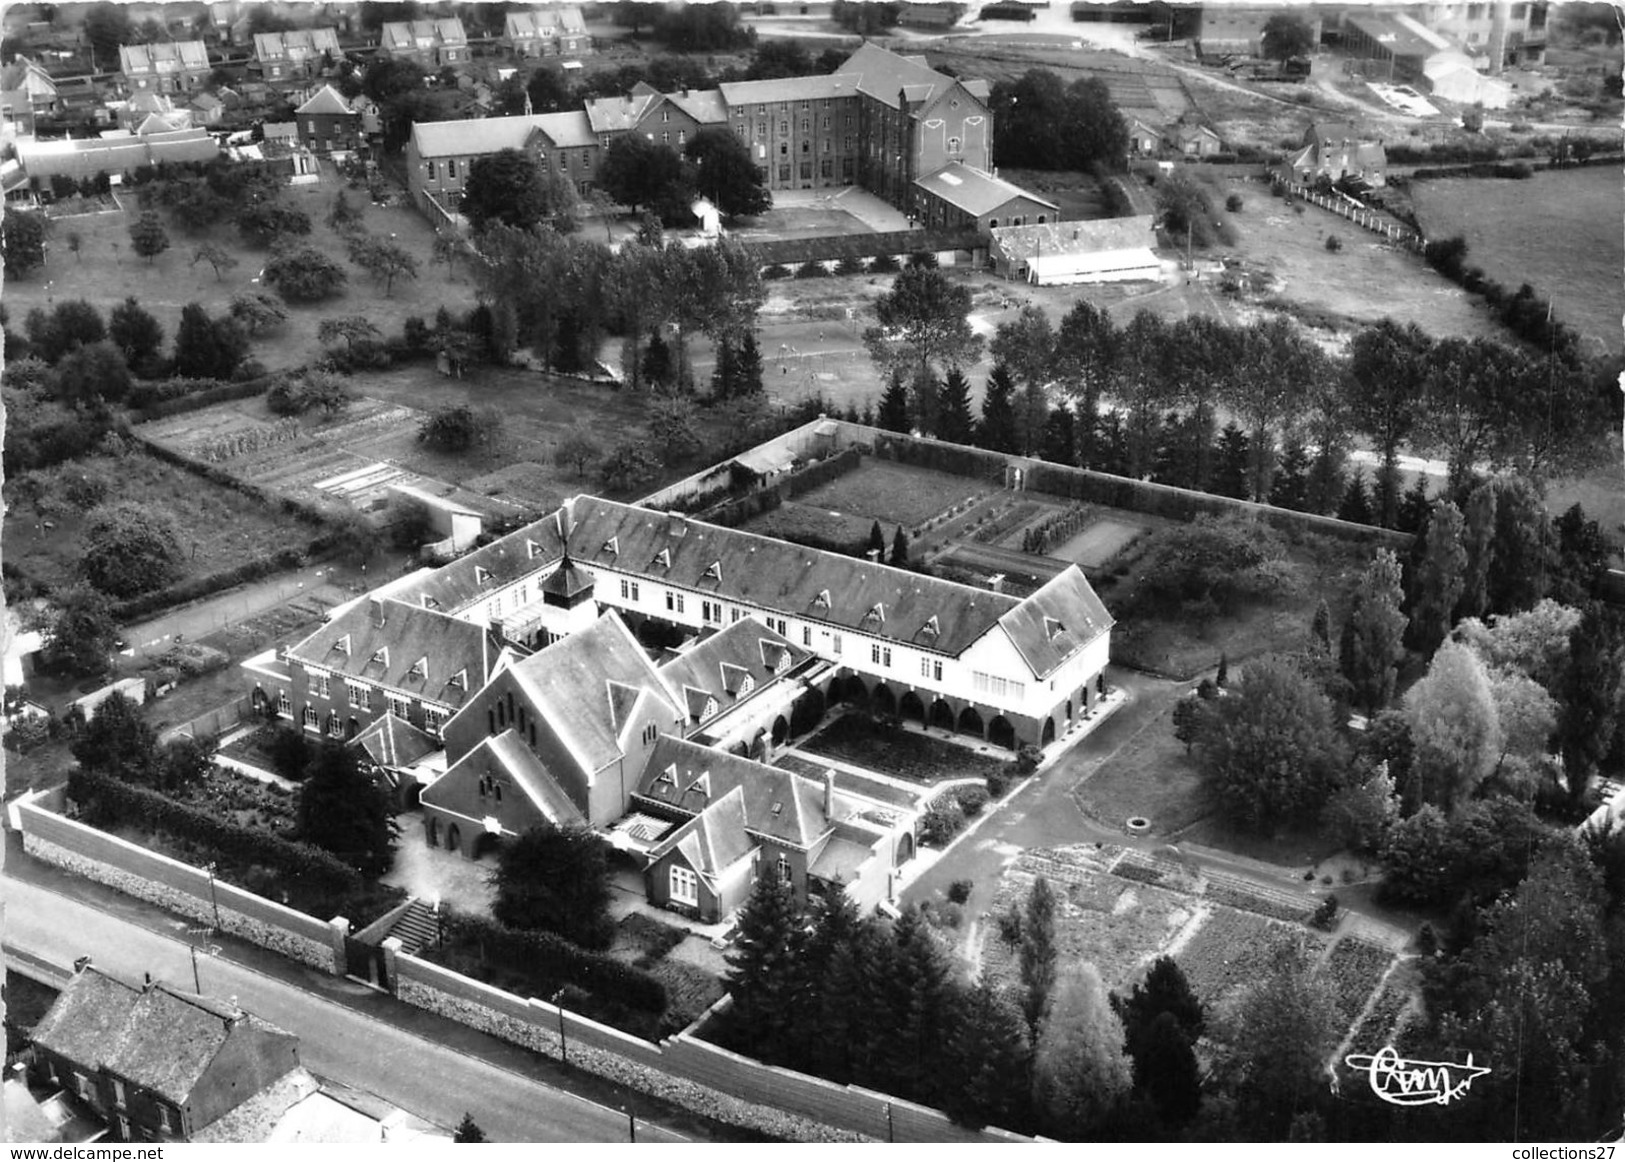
[848, 689]
[758, 748]
[883, 702]
[992, 223]
[781, 730]
[905, 848]
[261, 702]
[742, 751]
[1048, 734]
[911, 708]
[1100, 683]
[431, 830]
[1001, 733]
[454, 838]
[970, 722]
[484, 843]
[942, 715]
[351, 728]
[807, 711]
[1042, 218]
[1069, 711]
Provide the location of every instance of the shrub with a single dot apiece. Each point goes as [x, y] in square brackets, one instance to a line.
[959, 891]
[549, 961]
[941, 822]
[1325, 917]
[289, 751]
[776, 271]
[811, 270]
[1027, 759]
[971, 800]
[1234, 203]
[850, 266]
[1333, 243]
[922, 260]
[884, 264]
[997, 784]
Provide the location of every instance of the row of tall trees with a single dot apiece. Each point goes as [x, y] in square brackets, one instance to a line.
[1041, 122]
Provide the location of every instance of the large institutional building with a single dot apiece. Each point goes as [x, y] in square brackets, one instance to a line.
[886, 122]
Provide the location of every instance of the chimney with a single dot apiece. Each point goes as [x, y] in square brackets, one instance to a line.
[377, 610]
[829, 794]
[146, 981]
[873, 555]
[81, 964]
[996, 583]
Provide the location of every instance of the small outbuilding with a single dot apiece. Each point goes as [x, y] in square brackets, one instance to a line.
[1063, 253]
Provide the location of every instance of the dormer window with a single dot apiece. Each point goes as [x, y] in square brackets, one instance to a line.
[702, 784]
[666, 778]
[876, 614]
[420, 668]
[822, 600]
[713, 572]
[343, 644]
[612, 546]
[459, 680]
[381, 658]
[482, 575]
[1053, 628]
[532, 550]
[430, 602]
[710, 708]
[783, 664]
[662, 559]
[747, 685]
[931, 629]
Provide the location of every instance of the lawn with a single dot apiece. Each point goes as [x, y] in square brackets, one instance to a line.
[799, 222]
[219, 528]
[802, 523]
[1571, 251]
[903, 754]
[1099, 543]
[895, 494]
[106, 272]
[1150, 776]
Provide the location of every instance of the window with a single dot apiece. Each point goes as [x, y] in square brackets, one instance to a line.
[164, 1123]
[650, 733]
[429, 170]
[434, 720]
[284, 704]
[784, 129]
[360, 696]
[118, 1093]
[806, 124]
[806, 147]
[782, 866]
[665, 114]
[824, 122]
[806, 171]
[837, 644]
[711, 611]
[784, 151]
[674, 602]
[564, 160]
[850, 142]
[682, 136]
[335, 728]
[776, 624]
[665, 137]
[451, 170]
[83, 1084]
[685, 886]
[996, 686]
[806, 635]
[931, 668]
[739, 132]
[880, 655]
[826, 168]
[761, 129]
[398, 706]
[309, 717]
[320, 686]
[953, 145]
[784, 172]
[848, 168]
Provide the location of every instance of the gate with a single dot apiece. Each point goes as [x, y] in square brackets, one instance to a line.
[365, 963]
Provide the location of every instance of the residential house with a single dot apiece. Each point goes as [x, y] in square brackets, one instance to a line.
[16, 114]
[327, 123]
[1143, 140]
[28, 77]
[561, 735]
[959, 197]
[1194, 141]
[206, 108]
[295, 55]
[553, 31]
[439, 153]
[1336, 150]
[174, 66]
[158, 1064]
[1007, 669]
[714, 822]
[670, 119]
[374, 657]
[430, 43]
[1060, 254]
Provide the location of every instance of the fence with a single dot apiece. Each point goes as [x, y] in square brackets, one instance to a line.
[215, 723]
[178, 887]
[1355, 214]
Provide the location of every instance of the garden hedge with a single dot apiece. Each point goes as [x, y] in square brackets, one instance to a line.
[196, 587]
[173, 405]
[105, 799]
[550, 956]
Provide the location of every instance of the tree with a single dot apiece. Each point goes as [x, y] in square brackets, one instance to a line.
[148, 238]
[1414, 507]
[762, 975]
[136, 333]
[556, 879]
[1359, 815]
[1372, 644]
[1454, 726]
[22, 237]
[1080, 1070]
[893, 415]
[899, 549]
[955, 423]
[1026, 346]
[303, 274]
[579, 448]
[877, 542]
[631, 463]
[1042, 123]
[1038, 953]
[1287, 35]
[72, 323]
[1534, 643]
[344, 810]
[184, 762]
[267, 222]
[989, 1055]
[1086, 350]
[922, 324]
[93, 373]
[1388, 366]
[1281, 1029]
[258, 312]
[118, 742]
[725, 174]
[639, 173]
[130, 548]
[1186, 209]
[459, 427]
[1592, 693]
[1469, 390]
[1437, 579]
[1269, 751]
[674, 428]
[1521, 547]
[107, 26]
[1478, 537]
[351, 329]
[1581, 559]
[512, 188]
[207, 348]
[386, 260]
[80, 638]
[1164, 993]
[468, 1130]
[997, 430]
[1230, 474]
[1527, 715]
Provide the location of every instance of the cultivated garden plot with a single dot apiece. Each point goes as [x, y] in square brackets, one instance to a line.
[894, 494]
[902, 754]
[804, 524]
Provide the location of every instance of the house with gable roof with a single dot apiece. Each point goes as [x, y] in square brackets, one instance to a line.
[296, 54]
[551, 31]
[432, 44]
[327, 122]
[1336, 150]
[1063, 253]
[439, 153]
[737, 685]
[166, 66]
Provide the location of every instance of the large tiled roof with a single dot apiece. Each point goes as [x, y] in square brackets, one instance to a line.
[704, 105]
[716, 667]
[457, 790]
[712, 841]
[883, 74]
[163, 56]
[1056, 622]
[157, 1038]
[565, 130]
[814, 88]
[355, 645]
[1091, 237]
[485, 135]
[115, 155]
[298, 42]
[618, 114]
[391, 741]
[327, 100]
[586, 684]
[403, 34]
[777, 803]
[974, 191]
[549, 21]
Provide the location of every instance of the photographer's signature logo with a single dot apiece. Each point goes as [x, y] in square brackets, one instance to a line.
[1415, 1083]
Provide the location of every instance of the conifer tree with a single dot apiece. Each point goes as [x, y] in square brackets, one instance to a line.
[894, 412]
[1038, 953]
[1079, 1068]
[1290, 488]
[725, 375]
[1060, 442]
[761, 970]
[1356, 504]
[1222, 678]
[1231, 466]
[1477, 538]
[1413, 507]
[990, 1062]
[1521, 548]
[1167, 1072]
[1438, 578]
[997, 430]
[877, 542]
[899, 549]
[748, 366]
[1326, 478]
[468, 1130]
[955, 423]
[1372, 644]
[1320, 629]
[920, 1040]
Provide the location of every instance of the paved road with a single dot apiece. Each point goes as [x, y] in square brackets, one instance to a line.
[414, 1072]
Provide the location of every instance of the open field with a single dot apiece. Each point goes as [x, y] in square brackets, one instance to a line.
[800, 222]
[1571, 251]
[106, 271]
[793, 521]
[892, 493]
[219, 528]
[1150, 776]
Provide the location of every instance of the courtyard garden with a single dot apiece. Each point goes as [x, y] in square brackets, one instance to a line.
[894, 494]
[865, 741]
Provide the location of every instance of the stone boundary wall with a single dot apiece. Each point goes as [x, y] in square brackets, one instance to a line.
[178, 887]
